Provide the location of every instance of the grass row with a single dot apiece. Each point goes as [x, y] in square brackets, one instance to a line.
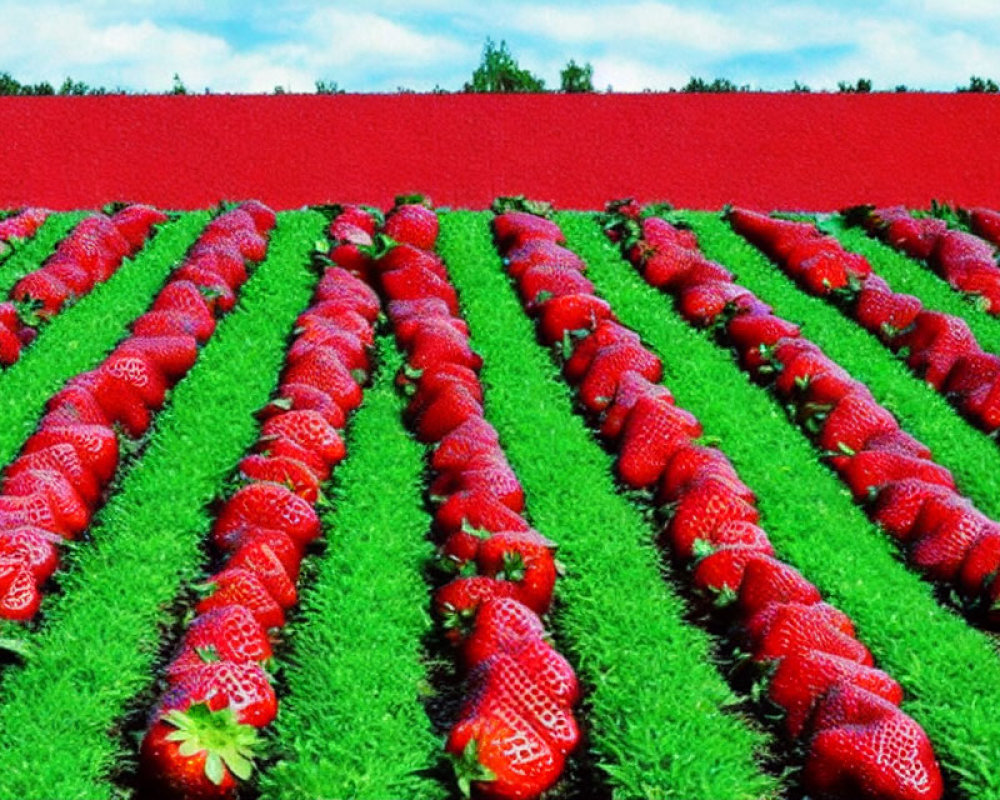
[60, 712]
[950, 672]
[352, 724]
[967, 452]
[29, 255]
[904, 274]
[81, 336]
[655, 713]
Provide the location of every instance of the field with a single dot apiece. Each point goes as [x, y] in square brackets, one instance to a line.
[640, 502]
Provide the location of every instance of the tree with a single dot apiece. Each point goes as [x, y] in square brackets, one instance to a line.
[863, 86]
[499, 72]
[328, 87]
[718, 85]
[977, 84]
[178, 87]
[575, 78]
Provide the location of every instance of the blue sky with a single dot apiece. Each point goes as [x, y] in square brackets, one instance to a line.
[379, 45]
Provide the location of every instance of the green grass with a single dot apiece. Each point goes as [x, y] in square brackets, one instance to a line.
[655, 714]
[904, 274]
[96, 653]
[950, 672]
[352, 724]
[972, 457]
[29, 254]
[81, 336]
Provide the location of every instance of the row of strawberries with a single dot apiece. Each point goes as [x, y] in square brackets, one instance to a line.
[967, 261]
[91, 254]
[20, 226]
[516, 724]
[913, 498]
[939, 347]
[53, 488]
[837, 704]
[202, 732]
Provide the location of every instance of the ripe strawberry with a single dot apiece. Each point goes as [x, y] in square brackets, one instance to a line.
[514, 228]
[570, 313]
[805, 676]
[803, 366]
[172, 323]
[451, 406]
[41, 289]
[985, 223]
[884, 312]
[238, 586]
[653, 432]
[785, 628]
[666, 266]
[303, 397]
[767, 581]
[70, 274]
[36, 548]
[135, 221]
[946, 530]
[456, 602]
[283, 447]
[10, 347]
[600, 382]
[502, 757]
[226, 634]
[75, 404]
[702, 509]
[187, 299]
[71, 513]
[287, 471]
[525, 559]
[982, 562]
[872, 469]
[541, 252]
[916, 237]
[269, 505]
[212, 285]
[222, 259]
[702, 303]
[500, 686]
[970, 373]
[257, 558]
[472, 438]
[264, 219]
[749, 331]
[855, 420]
[543, 282]
[339, 283]
[658, 231]
[307, 429]
[415, 283]
[96, 445]
[491, 480]
[255, 537]
[173, 356]
[343, 345]
[500, 625]
[866, 746]
[197, 754]
[631, 386]
[724, 568]
[899, 504]
[936, 342]
[243, 688]
[437, 342]
[19, 596]
[476, 510]
[954, 249]
[412, 224]
[329, 374]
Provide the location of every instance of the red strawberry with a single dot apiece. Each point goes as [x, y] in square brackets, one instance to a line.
[71, 513]
[412, 224]
[437, 342]
[328, 373]
[946, 530]
[456, 602]
[543, 282]
[548, 667]
[514, 228]
[64, 459]
[307, 429]
[785, 628]
[665, 266]
[185, 298]
[702, 509]
[75, 404]
[213, 285]
[173, 356]
[347, 347]
[524, 558]
[653, 432]
[258, 558]
[982, 562]
[899, 441]
[600, 382]
[135, 221]
[280, 469]
[303, 397]
[898, 505]
[631, 386]
[724, 568]
[493, 480]
[750, 331]
[19, 597]
[476, 510]
[243, 688]
[238, 586]
[96, 445]
[172, 323]
[500, 625]
[415, 283]
[702, 303]
[541, 252]
[767, 581]
[571, 313]
[872, 469]
[936, 342]
[607, 333]
[227, 634]
[657, 232]
[855, 420]
[687, 465]
[197, 754]
[884, 312]
[451, 406]
[269, 505]
[986, 223]
[264, 219]
[773, 236]
[41, 289]
[71, 274]
[34, 547]
[220, 258]
[10, 347]
[865, 746]
[255, 537]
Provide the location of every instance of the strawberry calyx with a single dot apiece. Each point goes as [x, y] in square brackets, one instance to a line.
[521, 203]
[514, 567]
[228, 744]
[208, 654]
[468, 768]
[415, 199]
[27, 311]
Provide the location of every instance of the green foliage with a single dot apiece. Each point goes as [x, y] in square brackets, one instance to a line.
[95, 654]
[800, 87]
[862, 86]
[346, 729]
[946, 668]
[178, 86]
[328, 87]
[11, 86]
[78, 338]
[575, 78]
[719, 85]
[656, 714]
[979, 85]
[499, 73]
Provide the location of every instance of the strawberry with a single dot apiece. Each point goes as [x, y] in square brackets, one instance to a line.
[541, 252]
[173, 356]
[749, 331]
[773, 236]
[500, 625]
[805, 676]
[570, 313]
[307, 429]
[243, 688]
[74, 277]
[184, 298]
[600, 382]
[41, 289]
[283, 447]
[946, 531]
[492, 480]
[212, 285]
[855, 420]
[259, 559]
[607, 333]
[329, 374]
[135, 221]
[785, 628]
[290, 472]
[872, 469]
[985, 223]
[700, 510]
[916, 237]
[456, 602]
[936, 341]
[19, 596]
[884, 312]
[451, 406]
[702, 303]
[478, 511]
[303, 397]
[339, 283]
[767, 581]
[10, 347]
[343, 345]
[239, 586]
[818, 265]
[415, 283]
[514, 228]
[543, 282]
[254, 538]
[525, 559]
[724, 568]
[264, 219]
[982, 562]
[631, 386]
[227, 634]
[898, 505]
[652, 433]
[500, 686]
[437, 342]
[865, 746]
[666, 266]
[954, 249]
[172, 323]
[364, 218]
[224, 260]
[658, 232]
[75, 404]
[36, 548]
[502, 756]
[409, 259]
[197, 754]
[412, 224]
[71, 513]
[269, 505]
[96, 445]
[970, 373]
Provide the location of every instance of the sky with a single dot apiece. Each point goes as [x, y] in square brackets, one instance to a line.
[382, 45]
